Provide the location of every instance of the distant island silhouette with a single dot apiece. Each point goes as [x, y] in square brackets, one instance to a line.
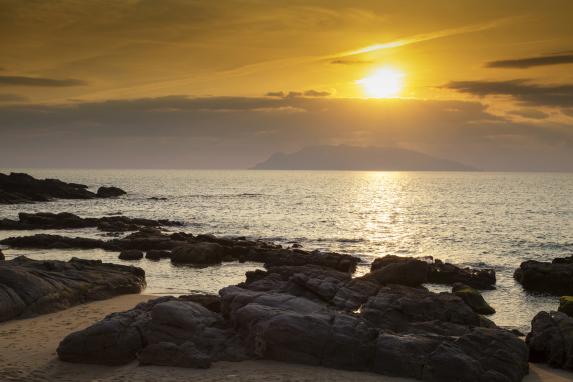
[344, 157]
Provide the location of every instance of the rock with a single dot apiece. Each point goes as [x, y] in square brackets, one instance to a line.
[31, 287]
[287, 314]
[565, 304]
[166, 331]
[45, 241]
[64, 220]
[198, 254]
[2, 257]
[551, 340]
[157, 254]
[278, 327]
[473, 298]
[170, 354]
[23, 188]
[444, 273]
[555, 277]
[411, 272]
[131, 254]
[110, 192]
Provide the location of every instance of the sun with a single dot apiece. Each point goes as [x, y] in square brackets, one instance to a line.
[383, 83]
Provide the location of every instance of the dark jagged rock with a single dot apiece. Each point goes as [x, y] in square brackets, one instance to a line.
[289, 314]
[110, 192]
[48, 220]
[182, 244]
[198, 254]
[31, 287]
[444, 273]
[23, 188]
[131, 254]
[166, 331]
[566, 305]
[551, 340]
[555, 277]
[473, 298]
[2, 257]
[156, 254]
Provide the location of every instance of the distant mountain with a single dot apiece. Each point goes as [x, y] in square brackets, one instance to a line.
[359, 158]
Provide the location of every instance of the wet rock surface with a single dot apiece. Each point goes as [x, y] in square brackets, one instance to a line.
[555, 277]
[197, 250]
[110, 192]
[31, 287]
[313, 315]
[64, 220]
[439, 272]
[473, 298]
[23, 188]
[551, 340]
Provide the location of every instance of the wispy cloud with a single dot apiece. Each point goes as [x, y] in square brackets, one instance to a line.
[422, 38]
[527, 62]
[39, 81]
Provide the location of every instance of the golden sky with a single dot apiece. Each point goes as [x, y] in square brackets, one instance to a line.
[297, 65]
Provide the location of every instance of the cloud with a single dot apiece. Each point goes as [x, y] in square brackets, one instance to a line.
[529, 113]
[12, 98]
[238, 132]
[522, 90]
[523, 63]
[342, 61]
[39, 81]
[295, 94]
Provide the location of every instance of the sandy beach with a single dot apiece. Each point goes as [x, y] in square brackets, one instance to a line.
[28, 353]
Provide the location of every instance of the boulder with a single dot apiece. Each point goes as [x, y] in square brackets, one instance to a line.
[23, 188]
[551, 340]
[31, 287]
[198, 254]
[566, 305]
[110, 192]
[167, 331]
[2, 257]
[555, 277]
[131, 254]
[439, 272]
[411, 272]
[157, 254]
[473, 298]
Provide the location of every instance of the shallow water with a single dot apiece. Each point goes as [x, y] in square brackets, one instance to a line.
[478, 219]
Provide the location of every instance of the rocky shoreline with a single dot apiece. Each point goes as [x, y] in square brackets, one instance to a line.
[305, 307]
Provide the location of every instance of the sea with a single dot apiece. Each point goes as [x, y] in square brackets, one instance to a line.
[477, 219]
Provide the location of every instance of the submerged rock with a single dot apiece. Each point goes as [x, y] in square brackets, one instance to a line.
[566, 305]
[551, 340]
[473, 298]
[31, 287]
[555, 277]
[439, 272]
[110, 192]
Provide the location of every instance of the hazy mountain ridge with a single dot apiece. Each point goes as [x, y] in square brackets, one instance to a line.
[344, 157]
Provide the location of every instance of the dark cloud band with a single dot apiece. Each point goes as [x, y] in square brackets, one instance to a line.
[38, 81]
[523, 63]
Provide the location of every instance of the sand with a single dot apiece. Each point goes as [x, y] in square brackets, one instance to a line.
[28, 353]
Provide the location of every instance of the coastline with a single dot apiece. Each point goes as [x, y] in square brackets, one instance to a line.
[28, 353]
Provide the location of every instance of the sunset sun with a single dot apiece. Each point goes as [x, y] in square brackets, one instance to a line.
[383, 83]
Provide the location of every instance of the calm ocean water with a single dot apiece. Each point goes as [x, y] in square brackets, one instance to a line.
[492, 220]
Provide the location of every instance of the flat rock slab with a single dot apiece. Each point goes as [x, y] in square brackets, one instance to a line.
[31, 287]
